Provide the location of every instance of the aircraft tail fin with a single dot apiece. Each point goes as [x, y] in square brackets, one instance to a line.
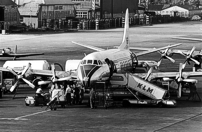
[125, 41]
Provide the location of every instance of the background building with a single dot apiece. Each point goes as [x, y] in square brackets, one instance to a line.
[56, 14]
[9, 14]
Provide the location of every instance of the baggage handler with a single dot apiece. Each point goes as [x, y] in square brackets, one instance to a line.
[68, 95]
[92, 98]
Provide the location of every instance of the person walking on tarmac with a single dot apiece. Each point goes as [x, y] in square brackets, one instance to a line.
[68, 95]
[92, 98]
[40, 94]
[193, 92]
[76, 94]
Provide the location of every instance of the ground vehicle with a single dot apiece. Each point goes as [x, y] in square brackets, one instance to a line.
[18, 28]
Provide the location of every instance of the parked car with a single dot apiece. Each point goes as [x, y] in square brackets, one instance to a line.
[18, 28]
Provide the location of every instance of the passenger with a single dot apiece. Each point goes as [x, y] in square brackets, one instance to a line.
[68, 95]
[40, 94]
[92, 98]
[112, 67]
[81, 95]
[73, 94]
[76, 94]
[193, 92]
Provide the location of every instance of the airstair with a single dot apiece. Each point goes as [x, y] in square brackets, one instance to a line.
[139, 85]
[135, 83]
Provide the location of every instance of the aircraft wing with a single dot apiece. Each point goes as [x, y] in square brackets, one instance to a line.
[20, 55]
[59, 74]
[156, 49]
[46, 73]
[89, 46]
[190, 39]
[140, 48]
[172, 75]
[173, 51]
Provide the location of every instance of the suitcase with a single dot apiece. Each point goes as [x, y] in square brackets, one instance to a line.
[29, 101]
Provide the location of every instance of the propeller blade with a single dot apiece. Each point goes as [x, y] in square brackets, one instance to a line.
[29, 83]
[189, 80]
[166, 51]
[14, 86]
[179, 90]
[179, 76]
[149, 73]
[43, 82]
[26, 68]
[183, 65]
[12, 71]
[182, 53]
[159, 62]
[53, 70]
[195, 61]
[192, 51]
[167, 79]
[64, 79]
[171, 59]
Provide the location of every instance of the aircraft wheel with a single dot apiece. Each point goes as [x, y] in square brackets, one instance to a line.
[160, 105]
[126, 103]
[26, 104]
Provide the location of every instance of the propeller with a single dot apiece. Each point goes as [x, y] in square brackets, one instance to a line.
[164, 55]
[181, 80]
[189, 57]
[20, 77]
[54, 78]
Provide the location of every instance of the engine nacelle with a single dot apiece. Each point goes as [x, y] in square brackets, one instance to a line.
[21, 64]
[147, 64]
[72, 65]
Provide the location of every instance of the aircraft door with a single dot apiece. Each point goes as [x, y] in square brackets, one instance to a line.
[134, 61]
[112, 66]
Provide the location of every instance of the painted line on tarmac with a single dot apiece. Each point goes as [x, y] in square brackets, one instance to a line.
[23, 117]
[175, 123]
[32, 114]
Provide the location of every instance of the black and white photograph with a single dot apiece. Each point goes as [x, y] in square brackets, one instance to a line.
[100, 65]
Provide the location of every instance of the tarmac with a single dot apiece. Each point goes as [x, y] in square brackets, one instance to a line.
[16, 117]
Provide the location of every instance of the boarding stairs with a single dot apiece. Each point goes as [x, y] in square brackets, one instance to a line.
[139, 85]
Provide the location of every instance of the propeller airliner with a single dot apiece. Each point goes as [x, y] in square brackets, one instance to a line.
[100, 66]
[7, 52]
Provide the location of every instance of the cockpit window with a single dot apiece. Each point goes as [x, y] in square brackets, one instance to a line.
[95, 62]
[84, 62]
[99, 62]
[89, 62]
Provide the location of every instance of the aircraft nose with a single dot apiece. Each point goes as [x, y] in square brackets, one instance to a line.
[89, 74]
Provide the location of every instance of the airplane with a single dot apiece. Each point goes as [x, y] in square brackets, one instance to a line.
[7, 52]
[101, 65]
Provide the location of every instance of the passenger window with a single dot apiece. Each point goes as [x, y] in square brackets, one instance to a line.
[95, 62]
[89, 62]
